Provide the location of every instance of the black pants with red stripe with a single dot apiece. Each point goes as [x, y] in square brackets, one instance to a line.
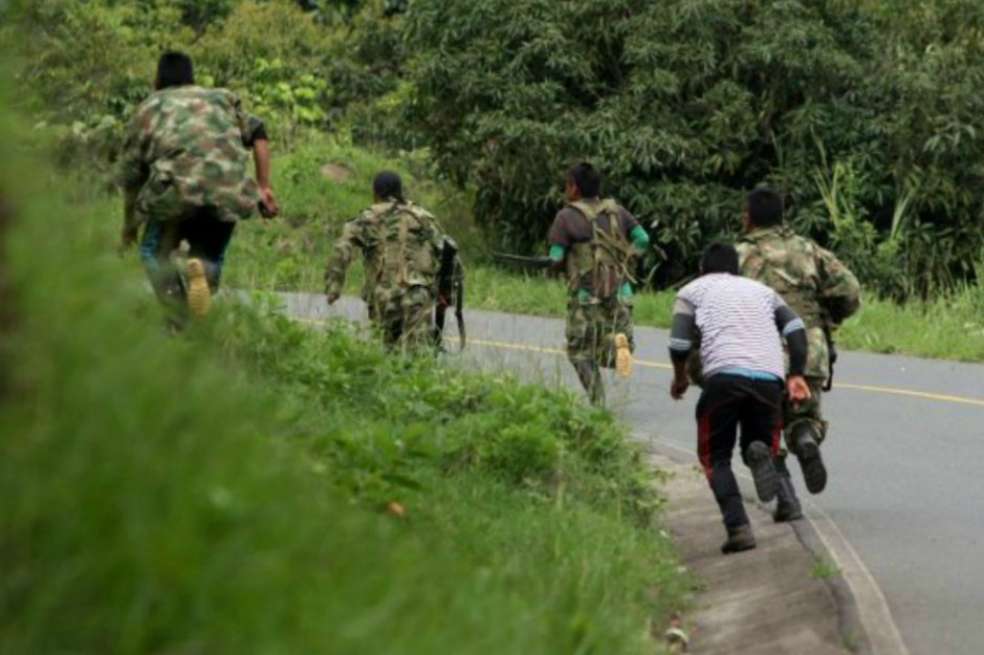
[727, 402]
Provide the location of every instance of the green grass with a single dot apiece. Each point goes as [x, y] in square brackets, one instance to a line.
[824, 569]
[291, 253]
[226, 491]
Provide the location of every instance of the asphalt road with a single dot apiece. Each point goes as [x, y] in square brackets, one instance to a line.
[906, 440]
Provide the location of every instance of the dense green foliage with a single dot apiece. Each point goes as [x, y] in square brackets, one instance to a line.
[227, 491]
[868, 118]
[290, 254]
[866, 115]
[296, 68]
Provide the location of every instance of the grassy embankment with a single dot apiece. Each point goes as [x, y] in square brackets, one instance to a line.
[290, 254]
[231, 490]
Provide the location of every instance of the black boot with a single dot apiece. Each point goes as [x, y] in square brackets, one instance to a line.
[739, 539]
[787, 505]
[759, 460]
[807, 449]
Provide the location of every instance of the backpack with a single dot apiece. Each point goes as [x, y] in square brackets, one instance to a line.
[406, 252]
[602, 265]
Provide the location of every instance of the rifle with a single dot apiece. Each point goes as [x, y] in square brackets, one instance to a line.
[450, 290]
[525, 263]
[831, 356]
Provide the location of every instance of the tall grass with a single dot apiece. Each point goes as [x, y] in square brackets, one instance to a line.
[290, 254]
[255, 487]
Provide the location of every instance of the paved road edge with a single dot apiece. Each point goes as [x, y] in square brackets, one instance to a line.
[864, 618]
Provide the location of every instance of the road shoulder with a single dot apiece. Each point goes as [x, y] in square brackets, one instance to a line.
[782, 597]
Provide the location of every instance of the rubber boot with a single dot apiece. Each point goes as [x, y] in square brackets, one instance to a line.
[739, 539]
[807, 450]
[199, 293]
[759, 460]
[787, 504]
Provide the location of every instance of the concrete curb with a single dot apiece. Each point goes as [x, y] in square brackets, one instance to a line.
[849, 620]
[864, 631]
[858, 607]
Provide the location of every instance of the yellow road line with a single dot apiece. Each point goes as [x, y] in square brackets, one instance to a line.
[892, 391]
[507, 345]
[979, 402]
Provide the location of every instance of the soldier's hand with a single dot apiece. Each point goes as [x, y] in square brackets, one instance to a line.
[332, 297]
[679, 387]
[268, 203]
[798, 389]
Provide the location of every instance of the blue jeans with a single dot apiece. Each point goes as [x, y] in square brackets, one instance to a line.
[208, 240]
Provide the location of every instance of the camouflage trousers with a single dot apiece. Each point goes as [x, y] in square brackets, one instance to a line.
[404, 318]
[810, 412]
[590, 333]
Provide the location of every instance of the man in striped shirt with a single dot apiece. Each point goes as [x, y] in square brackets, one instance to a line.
[741, 325]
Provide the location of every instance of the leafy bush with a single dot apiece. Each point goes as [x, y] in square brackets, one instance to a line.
[687, 104]
[532, 436]
[221, 492]
[290, 68]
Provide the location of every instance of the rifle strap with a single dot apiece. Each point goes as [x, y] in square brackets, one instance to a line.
[459, 314]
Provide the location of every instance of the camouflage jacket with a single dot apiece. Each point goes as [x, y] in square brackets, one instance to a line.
[187, 147]
[812, 281]
[400, 245]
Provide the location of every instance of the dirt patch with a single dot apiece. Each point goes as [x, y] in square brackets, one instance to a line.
[336, 172]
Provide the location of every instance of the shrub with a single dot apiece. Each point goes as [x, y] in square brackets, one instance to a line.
[686, 105]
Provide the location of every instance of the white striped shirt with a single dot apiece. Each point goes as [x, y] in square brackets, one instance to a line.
[738, 325]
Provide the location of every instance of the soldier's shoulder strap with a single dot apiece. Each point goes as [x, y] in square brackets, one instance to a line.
[591, 211]
[385, 208]
[416, 210]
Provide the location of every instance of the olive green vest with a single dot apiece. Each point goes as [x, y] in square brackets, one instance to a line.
[602, 265]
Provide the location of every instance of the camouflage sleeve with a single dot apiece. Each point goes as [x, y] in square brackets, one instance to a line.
[341, 256]
[840, 292]
[750, 263]
[133, 170]
[251, 127]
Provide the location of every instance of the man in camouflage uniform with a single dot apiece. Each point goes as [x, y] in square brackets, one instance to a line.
[184, 176]
[823, 292]
[401, 246]
[594, 241]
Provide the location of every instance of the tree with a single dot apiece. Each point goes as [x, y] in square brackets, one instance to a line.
[688, 104]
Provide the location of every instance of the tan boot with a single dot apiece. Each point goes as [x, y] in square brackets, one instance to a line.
[623, 356]
[199, 294]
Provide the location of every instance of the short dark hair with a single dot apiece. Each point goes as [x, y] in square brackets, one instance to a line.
[719, 257]
[174, 69]
[765, 207]
[586, 178]
[387, 185]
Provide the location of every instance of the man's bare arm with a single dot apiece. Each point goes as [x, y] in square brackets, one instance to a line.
[261, 157]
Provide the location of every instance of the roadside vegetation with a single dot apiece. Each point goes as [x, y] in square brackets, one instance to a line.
[872, 129]
[257, 486]
[326, 182]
